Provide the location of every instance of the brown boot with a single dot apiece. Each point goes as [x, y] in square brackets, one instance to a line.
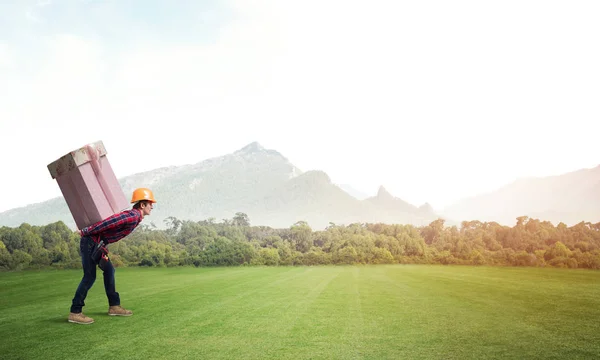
[118, 311]
[79, 318]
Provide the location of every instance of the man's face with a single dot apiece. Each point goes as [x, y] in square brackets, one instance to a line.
[147, 208]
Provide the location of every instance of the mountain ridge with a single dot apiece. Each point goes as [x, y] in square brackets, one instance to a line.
[260, 182]
[570, 198]
[272, 191]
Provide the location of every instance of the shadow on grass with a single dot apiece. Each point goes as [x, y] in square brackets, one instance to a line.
[59, 319]
[103, 315]
[96, 315]
[62, 320]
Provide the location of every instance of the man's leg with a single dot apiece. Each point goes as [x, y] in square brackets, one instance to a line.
[89, 277]
[114, 301]
[109, 284]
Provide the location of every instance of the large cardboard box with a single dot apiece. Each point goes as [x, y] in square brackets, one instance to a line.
[88, 184]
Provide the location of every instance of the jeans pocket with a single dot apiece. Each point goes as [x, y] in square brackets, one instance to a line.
[86, 246]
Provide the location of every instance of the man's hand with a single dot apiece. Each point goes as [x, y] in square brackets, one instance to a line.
[79, 232]
[103, 261]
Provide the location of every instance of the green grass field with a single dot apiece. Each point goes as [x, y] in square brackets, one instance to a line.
[362, 312]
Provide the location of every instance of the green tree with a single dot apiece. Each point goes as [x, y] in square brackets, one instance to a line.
[382, 256]
[5, 257]
[433, 231]
[346, 255]
[173, 225]
[559, 250]
[266, 256]
[301, 235]
[20, 260]
[241, 219]
[316, 256]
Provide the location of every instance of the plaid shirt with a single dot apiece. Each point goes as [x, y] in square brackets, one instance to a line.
[114, 227]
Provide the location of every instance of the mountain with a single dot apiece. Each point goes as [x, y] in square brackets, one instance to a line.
[259, 182]
[386, 206]
[357, 194]
[309, 197]
[569, 198]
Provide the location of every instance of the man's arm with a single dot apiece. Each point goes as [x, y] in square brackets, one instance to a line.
[111, 222]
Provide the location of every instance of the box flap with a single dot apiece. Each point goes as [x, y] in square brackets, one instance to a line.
[74, 159]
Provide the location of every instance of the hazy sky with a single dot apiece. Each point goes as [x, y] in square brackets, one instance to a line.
[435, 100]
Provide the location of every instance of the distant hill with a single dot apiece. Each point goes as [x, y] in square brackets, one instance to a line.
[569, 198]
[259, 182]
[357, 194]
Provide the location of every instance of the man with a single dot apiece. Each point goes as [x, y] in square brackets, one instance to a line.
[104, 232]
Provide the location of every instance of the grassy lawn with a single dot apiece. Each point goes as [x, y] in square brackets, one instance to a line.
[362, 312]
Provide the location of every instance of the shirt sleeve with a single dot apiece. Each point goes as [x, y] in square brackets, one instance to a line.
[111, 222]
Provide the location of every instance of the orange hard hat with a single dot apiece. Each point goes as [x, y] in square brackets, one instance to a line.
[142, 194]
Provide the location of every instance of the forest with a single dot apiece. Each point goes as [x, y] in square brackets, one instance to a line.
[235, 242]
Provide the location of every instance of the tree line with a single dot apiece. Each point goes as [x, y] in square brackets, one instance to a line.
[234, 242]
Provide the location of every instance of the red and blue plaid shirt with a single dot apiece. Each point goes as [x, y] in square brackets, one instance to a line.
[114, 227]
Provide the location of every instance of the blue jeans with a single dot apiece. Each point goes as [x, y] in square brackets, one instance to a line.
[86, 246]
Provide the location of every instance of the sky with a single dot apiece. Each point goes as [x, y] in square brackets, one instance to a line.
[434, 100]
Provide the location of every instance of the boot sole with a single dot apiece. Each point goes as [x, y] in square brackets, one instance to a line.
[120, 314]
[79, 322]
